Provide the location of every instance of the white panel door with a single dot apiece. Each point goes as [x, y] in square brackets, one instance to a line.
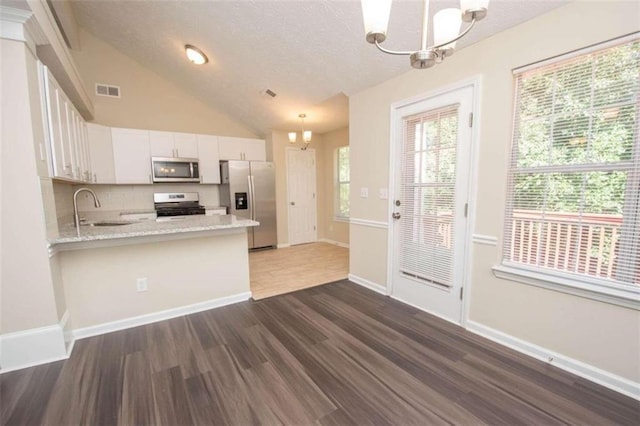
[432, 140]
[301, 190]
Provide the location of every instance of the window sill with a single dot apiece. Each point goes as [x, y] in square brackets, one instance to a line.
[628, 298]
[341, 219]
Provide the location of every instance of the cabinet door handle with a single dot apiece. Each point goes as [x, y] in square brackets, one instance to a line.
[150, 181]
[177, 153]
[95, 178]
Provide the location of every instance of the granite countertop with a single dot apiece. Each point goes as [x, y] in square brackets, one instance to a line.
[197, 223]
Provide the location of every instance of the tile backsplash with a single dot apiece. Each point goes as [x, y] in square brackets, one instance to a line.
[119, 198]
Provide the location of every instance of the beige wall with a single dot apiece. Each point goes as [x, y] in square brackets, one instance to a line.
[27, 292]
[100, 283]
[148, 101]
[328, 227]
[605, 336]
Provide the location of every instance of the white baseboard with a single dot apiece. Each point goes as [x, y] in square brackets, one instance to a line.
[337, 243]
[368, 284]
[108, 327]
[579, 368]
[32, 347]
[285, 245]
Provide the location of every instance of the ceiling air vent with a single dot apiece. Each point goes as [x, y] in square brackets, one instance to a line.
[106, 90]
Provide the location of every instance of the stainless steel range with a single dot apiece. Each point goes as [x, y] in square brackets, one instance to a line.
[176, 205]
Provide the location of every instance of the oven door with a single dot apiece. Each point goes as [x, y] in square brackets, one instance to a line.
[175, 169]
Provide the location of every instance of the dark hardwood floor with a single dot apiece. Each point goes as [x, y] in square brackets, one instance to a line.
[332, 355]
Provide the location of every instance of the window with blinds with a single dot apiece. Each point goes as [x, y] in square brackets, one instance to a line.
[342, 183]
[573, 205]
[427, 194]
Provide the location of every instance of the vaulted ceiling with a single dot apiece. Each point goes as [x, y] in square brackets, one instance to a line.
[311, 53]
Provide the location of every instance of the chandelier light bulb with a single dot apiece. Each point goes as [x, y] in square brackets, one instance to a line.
[446, 26]
[292, 137]
[446, 29]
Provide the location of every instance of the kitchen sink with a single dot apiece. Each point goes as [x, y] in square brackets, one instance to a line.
[109, 223]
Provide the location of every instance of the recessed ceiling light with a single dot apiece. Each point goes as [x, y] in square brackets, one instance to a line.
[195, 55]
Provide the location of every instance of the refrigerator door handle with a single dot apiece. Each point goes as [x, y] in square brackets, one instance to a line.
[252, 198]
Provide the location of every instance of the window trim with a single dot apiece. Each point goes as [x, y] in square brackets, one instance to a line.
[583, 286]
[612, 294]
[336, 187]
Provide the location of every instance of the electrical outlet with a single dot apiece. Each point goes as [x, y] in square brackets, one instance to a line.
[383, 194]
[141, 284]
[364, 192]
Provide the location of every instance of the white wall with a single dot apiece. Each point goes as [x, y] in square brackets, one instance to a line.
[601, 335]
[27, 291]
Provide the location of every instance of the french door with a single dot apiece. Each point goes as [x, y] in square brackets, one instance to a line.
[429, 226]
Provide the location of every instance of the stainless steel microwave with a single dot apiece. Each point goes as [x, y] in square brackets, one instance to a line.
[168, 169]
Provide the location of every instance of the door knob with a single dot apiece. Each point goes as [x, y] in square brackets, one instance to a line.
[293, 203]
[396, 215]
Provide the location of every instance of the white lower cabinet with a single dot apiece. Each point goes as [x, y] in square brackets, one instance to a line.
[101, 154]
[208, 160]
[131, 156]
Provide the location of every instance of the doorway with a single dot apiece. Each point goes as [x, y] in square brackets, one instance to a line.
[430, 230]
[301, 196]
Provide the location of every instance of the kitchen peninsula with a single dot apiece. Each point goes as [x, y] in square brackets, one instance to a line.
[119, 276]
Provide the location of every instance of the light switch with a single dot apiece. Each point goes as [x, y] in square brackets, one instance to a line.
[364, 192]
[383, 194]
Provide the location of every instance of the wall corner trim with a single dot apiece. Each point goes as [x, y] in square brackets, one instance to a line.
[612, 381]
[487, 240]
[368, 284]
[369, 223]
[32, 347]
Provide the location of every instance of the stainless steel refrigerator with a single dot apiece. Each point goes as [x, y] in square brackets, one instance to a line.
[248, 189]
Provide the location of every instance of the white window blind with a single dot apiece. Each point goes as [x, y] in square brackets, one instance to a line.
[342, 182]
[574, 182]
[427, 194]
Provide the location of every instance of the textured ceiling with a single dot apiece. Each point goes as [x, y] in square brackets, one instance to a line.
[311, 53]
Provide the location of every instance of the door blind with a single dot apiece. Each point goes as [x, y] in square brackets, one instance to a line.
[427, 195]
[574, 182]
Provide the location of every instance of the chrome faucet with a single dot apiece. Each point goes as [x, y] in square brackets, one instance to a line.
[76, 217]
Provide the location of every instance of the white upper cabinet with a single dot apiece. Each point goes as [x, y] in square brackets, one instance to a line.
[131, 155]
[209, 162]
[241, 149]
[186, 145]
[101, 154]
[170, 144]
[66, 132]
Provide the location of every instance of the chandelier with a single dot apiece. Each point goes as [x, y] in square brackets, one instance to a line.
[446, 28]
[306, 134]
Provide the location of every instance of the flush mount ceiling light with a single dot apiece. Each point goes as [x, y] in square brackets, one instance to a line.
[195, 55]
[446, 28]
[306, 134]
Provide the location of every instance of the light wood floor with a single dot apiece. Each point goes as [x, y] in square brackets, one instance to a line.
[294, 268]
